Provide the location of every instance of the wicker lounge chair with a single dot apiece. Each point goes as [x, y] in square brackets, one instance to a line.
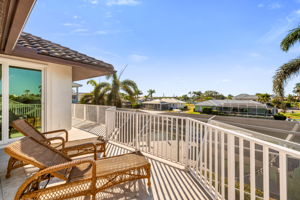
[82, 178]
[72, 148]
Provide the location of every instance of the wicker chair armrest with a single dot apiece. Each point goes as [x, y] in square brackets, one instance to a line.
[54, 169]
[62, 144]
[57, 131]
[80, 147]
[103, 139]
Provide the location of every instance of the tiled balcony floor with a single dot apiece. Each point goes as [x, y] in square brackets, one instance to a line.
[168, 182]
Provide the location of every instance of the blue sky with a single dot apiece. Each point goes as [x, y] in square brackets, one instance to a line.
[174, 47]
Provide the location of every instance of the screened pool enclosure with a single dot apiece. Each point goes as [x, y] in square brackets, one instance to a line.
[240, 107]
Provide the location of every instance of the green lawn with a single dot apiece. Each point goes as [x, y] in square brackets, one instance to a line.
[295, 115]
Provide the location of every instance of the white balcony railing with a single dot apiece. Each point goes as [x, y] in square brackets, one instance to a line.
[228, 164]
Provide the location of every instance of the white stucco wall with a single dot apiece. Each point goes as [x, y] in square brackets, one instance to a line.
[58, 97]
[57, 90]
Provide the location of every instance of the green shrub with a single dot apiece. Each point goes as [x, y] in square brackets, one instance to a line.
[207, 110]
[279, 117]
[215, 112]
[136, 105]
[288, 104]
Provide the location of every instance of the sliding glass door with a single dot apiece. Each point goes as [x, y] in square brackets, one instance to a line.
[25, 97]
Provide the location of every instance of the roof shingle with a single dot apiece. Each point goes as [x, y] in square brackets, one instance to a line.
[48, 48]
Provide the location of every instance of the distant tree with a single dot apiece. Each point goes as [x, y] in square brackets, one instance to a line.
[296, 90]
[150, 93]
[290, 98]
[185, 98]
[277, 102]
[26, 92]
[229, 96]
[263, 98]
[213, 94]
[196, 94]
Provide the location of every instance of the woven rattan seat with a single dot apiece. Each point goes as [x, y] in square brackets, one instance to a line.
[73, 148]
[83, 177]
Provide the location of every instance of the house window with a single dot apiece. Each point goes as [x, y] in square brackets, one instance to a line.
[25, 96]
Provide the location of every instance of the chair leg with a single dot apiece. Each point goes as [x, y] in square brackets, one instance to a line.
[10, 166]
[149, 182]
[104, 154]
[149, 176]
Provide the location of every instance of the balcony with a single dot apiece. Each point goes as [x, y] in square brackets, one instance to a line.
[190, 159]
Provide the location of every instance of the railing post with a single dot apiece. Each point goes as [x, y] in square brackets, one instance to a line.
[187, 142]
[177, 140]
[107, 124]
[98, 115]
[283, 175]
[84, 112]
[110, 116]
[231, 167]
[137, 140]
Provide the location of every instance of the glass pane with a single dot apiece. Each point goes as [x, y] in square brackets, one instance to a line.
[25, 87]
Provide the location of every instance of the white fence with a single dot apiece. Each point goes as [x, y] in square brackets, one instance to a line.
[30, 110]
[93, 113]
[229, 164]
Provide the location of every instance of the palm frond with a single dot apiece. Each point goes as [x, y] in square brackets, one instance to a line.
[87, 98]
[290, 39]
[283, 74]
[92, 82]
[130, 83]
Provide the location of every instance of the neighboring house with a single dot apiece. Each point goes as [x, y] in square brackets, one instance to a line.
[37, 74]
[245, 107]
[245, 97]
[164, 104]
[75, 94]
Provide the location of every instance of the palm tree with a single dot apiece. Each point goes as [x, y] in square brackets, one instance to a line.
[289, 69]
[263, 98]
[297, 90]
[290, 98]
[150, 93]
[128, 86]
[98, 95]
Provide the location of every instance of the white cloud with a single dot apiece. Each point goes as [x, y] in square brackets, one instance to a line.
[271, 6]
[80, 30]
[281, 28]
[275, 5]
[137, 58]
[76, 17]
[261, 5]
[122, 2]
[71, 24]
[94, 1]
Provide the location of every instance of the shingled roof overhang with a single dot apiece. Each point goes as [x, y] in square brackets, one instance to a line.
[13, 16]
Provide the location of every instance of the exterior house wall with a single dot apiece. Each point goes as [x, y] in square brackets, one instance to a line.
[58, 97]
[57, 90]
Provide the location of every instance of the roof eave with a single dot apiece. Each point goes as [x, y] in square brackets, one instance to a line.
[80, 70]
[14, 17]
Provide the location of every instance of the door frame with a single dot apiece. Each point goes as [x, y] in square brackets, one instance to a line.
[6, 63]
